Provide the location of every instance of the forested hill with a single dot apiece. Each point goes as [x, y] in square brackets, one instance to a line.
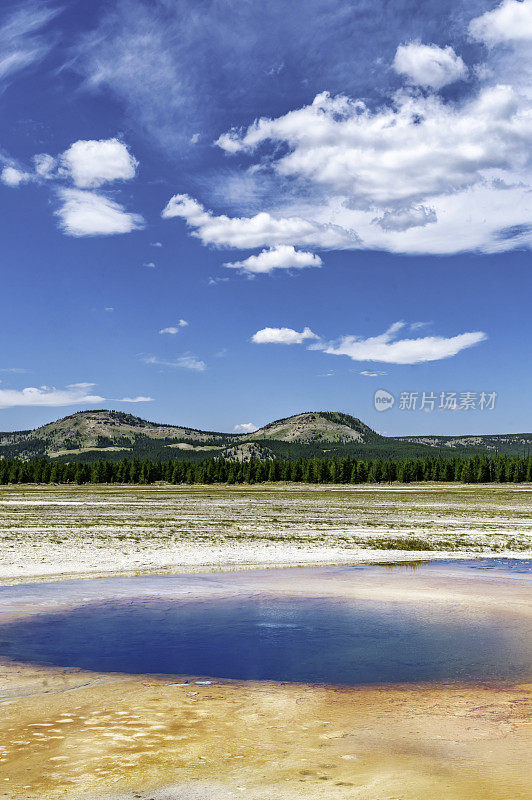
[508, 443]
[89, 436]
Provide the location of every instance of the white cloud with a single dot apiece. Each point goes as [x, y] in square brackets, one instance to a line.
[369, 374]
[44, 165]
[416, 148]
[152, 57]
[156, 244]
[429, 65]
[139, 51]
[150, 264]
[418, 175]
[173, 329]
[43, 168]
[387, 348]
[49, 396]
[109, 309]
[245, 427]
[404, 218]
[416, 326]
[21, 44]
[15, 61]
[349, 164]
[281, 257]
[92, 163]
[12, 176]
[84, 213]
[282, 336]
[184, 362]
[88, 164]
[511, 21]
[139, 399]
[258, 231]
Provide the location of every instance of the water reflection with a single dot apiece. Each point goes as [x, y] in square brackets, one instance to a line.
[413, 566]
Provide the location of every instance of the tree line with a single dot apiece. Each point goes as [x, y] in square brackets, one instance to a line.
[475, 469]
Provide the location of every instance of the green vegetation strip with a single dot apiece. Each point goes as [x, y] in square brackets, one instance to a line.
[476, 469]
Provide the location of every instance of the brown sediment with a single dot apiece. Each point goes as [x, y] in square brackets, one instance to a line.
[121, 736]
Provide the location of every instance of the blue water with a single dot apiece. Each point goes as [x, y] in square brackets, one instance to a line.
[237, 633]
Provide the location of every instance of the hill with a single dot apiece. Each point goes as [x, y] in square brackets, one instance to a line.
[96, 431]
[505, 443]
[317, 426]
[92, 435]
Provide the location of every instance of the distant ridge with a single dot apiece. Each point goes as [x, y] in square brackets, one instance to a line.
[94, 434]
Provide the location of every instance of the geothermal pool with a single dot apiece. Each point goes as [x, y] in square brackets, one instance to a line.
[272, 625]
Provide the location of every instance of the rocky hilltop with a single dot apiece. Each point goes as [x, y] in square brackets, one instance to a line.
[317, 426]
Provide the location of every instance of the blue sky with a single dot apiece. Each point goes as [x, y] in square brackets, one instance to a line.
[218, 213]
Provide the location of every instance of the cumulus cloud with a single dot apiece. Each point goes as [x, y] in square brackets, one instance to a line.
[12, 176]
[185, 362]
[416, 174]
[429, 65]
[73, 394]
[389, 349]
[282, 336]
[88, 164]
[338, 161]
[372, 373]
[245, 427]
[397, 155]
[511, 21]
[405, 175]
[258, 231]
[91, 163]
[282, 257]
[173, 329]
[85, 213]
